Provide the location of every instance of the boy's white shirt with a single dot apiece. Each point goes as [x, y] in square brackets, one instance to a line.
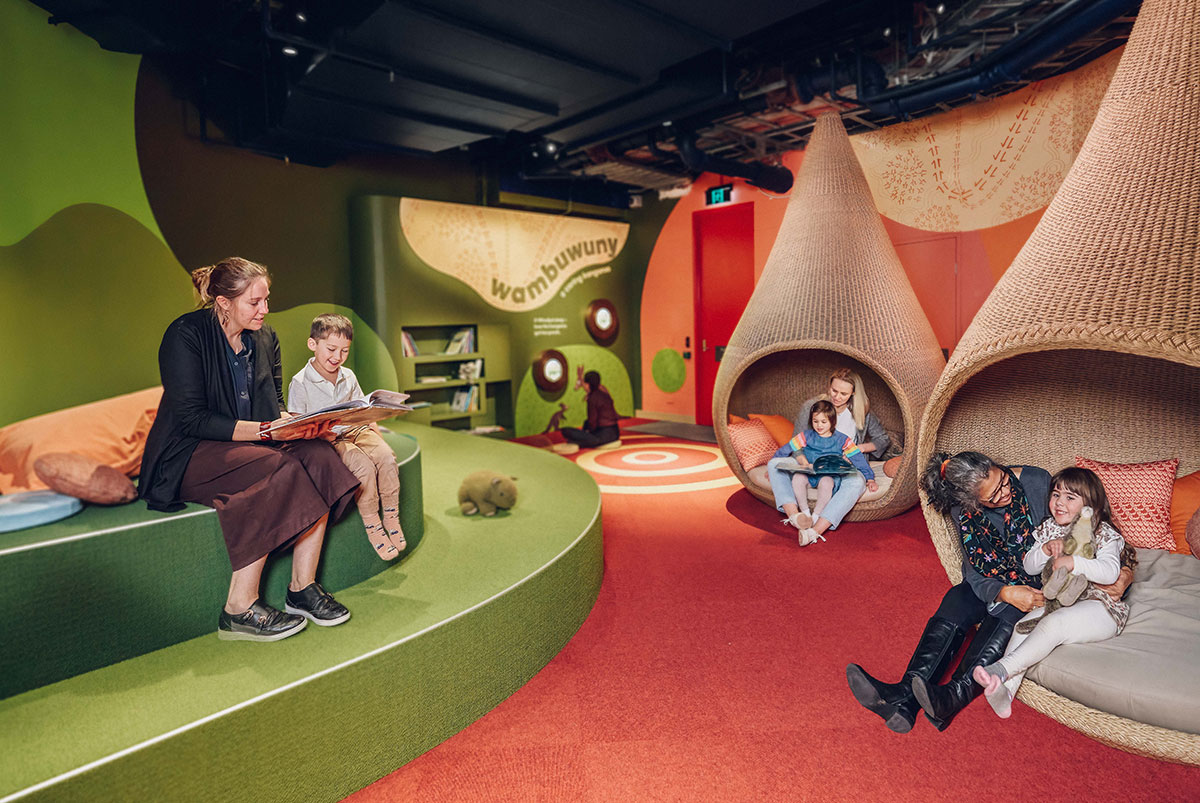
[309, 391]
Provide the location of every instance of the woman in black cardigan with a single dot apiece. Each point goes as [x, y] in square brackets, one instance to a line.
[222, 389]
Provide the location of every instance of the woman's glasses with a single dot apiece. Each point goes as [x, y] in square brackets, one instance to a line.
[1000, 489]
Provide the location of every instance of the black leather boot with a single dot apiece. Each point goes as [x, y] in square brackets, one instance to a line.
[941, 703]
[894, 701]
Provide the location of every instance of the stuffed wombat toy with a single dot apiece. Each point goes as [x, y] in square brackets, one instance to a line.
[1060, 587]
[485, 491]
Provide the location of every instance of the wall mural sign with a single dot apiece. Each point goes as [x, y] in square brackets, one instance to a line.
[515, 261]
[984, 165]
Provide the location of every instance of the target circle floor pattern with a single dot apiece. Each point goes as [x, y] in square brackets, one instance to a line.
[648, 464]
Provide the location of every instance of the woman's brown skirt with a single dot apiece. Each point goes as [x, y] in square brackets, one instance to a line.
[266, 495]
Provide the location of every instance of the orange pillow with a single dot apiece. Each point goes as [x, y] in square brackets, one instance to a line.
[779, 427]
[1185, 501]
[752, 444]
[1140, 495]
[111, 431]
[736, 419]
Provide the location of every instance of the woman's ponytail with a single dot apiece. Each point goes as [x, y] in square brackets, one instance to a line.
[200, 280]
[950, 480]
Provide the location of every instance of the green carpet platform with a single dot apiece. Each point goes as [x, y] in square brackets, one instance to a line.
[435, 642]
[111, 583]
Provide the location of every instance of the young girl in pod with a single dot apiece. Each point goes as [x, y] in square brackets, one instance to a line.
[818, 440]
[1094, 617]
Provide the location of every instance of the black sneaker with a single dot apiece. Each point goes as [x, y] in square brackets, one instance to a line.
[317, 604]
[260, 623]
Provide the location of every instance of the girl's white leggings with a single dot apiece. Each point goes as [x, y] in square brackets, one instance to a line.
[1085, 621]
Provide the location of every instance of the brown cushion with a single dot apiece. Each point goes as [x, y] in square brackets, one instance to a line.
[892, 466]
[76, 475]
[1193, 533]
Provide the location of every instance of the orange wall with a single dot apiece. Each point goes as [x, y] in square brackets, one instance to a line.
[952, 273]
[668, 316]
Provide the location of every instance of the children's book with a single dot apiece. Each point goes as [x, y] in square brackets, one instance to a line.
[380, 404]
[826, 464]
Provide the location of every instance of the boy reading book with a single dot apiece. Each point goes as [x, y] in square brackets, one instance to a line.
[325, 381]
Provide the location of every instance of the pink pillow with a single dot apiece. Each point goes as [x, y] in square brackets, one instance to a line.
[1140, 495]
[752, 444]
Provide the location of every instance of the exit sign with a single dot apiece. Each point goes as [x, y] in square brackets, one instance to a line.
[719, 195]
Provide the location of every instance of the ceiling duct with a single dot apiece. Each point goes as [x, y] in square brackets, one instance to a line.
[759, 174]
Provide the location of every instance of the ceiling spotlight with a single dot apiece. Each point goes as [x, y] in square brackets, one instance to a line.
[288, 50]
[941, 8]
[666, 123]
[535, 153]
[551, 147]
[301, 18]
[887, 32]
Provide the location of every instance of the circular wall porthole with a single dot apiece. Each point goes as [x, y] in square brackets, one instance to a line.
[550, 371]
[601, 320]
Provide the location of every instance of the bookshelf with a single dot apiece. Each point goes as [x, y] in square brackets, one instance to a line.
[430, 373]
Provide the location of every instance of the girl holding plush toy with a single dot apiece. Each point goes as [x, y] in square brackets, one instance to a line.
[806, 447]
[1077, 496]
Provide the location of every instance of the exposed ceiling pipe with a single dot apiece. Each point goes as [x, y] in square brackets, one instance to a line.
[770, 177]
[1072, 21]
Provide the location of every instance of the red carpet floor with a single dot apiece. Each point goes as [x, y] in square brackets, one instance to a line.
[712, 668]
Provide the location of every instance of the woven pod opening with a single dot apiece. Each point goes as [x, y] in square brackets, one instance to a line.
[1089, 344]
[833, 294]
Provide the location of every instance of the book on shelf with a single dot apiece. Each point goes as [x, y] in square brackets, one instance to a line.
[408, 345]
[428, 379]
[463, 342]
[380, 404]
[465, 400]
[825, 465]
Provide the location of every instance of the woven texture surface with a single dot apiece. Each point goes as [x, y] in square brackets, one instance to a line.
[1090, 342]
[832, 294]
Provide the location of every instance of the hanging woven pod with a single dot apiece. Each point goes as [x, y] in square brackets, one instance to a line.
[1089, 345]
[833, 294]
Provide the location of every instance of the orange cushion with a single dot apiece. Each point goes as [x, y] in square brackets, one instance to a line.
[892, 467]
[1185, 501]
[1140, 495]
[752, 444]
[736, 419]
[779, 427]
[112, 432]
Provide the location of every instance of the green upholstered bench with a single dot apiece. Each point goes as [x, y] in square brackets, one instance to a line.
[111, 583]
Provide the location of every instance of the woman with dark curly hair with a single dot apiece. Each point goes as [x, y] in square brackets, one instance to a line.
[995, 509]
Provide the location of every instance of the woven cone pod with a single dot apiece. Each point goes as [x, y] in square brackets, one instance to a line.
[1089, 345]
[833, 294]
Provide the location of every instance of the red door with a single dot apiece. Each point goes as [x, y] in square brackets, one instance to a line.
[723, 240]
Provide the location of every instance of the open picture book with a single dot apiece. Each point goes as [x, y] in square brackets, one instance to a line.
[825, 465]
[378, 405]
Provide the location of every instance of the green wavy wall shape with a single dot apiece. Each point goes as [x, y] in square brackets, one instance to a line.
[66, 124]
[89, 294]
[534, 408]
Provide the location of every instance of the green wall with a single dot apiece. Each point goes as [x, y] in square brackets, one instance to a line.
[112, 190]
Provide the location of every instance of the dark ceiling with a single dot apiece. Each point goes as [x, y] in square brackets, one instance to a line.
[641, 93]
